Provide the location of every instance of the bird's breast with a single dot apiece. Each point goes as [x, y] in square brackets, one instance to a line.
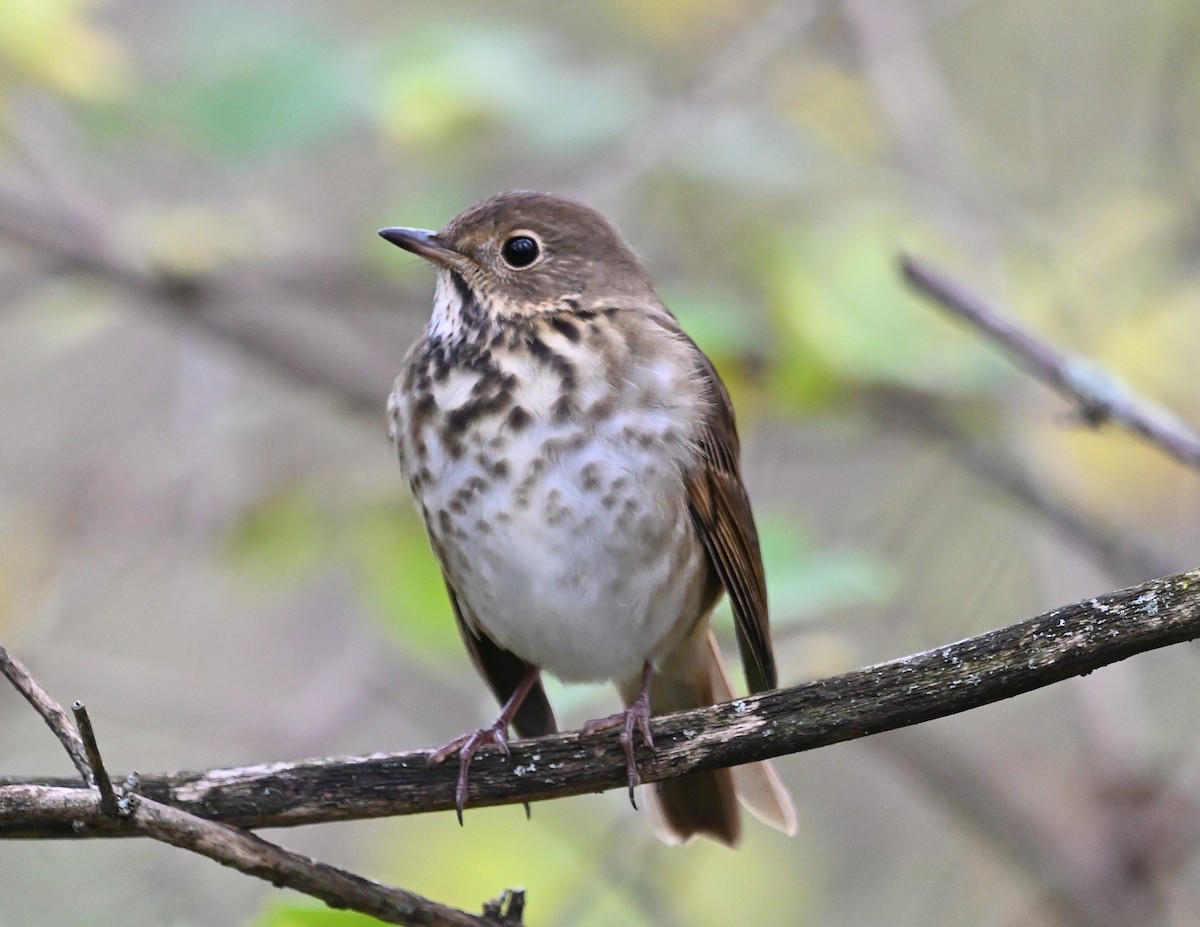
[550, 474]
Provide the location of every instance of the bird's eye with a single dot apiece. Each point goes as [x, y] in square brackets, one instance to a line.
[520, 251]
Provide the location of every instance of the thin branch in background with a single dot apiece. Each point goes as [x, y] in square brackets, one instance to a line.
[1099, 396]
[51, 712]
[1068, 641]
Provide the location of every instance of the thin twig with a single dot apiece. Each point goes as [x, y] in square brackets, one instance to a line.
[249, 853]
[1099, 396]
[57, 719]
[1069, 641]
[137, 815]
[108, 796]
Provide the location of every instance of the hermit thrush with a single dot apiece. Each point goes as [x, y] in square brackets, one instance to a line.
[575, 460]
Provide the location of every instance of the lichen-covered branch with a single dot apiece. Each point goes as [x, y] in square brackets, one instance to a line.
[1099, 396]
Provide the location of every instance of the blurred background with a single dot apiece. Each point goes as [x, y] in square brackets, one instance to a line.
[203, 531]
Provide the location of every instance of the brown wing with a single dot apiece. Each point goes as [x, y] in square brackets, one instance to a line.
[504, 671]
[721, 512]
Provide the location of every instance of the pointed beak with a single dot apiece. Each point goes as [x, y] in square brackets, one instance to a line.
[425, 244]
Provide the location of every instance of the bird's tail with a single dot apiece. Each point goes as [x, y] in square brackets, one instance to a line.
[707, 802]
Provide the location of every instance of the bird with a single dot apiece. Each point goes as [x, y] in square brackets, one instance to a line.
[575, 460]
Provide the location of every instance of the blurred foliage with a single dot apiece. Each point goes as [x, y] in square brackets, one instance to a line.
[844, 318]
[282, 539]
[806, 579]
[443, 82]
[198, 519]
[249, 81]
[287, 537]
[403, 584]
[57, 43]
[584, 884]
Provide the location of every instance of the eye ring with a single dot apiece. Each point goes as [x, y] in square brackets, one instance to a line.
[521, 250]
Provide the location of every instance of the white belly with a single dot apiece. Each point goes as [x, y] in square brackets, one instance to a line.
[585, 564]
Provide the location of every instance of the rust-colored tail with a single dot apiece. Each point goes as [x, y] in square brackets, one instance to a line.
[707, 803]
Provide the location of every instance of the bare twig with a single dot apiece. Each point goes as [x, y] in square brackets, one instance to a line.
[1073, 640]
[1099, 396]
[135, 815]
[108, 796]
[57, 719]
[249, 853]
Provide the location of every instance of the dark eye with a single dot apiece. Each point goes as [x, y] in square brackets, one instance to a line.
[520, 251]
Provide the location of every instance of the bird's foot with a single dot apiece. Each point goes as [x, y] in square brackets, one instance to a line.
[636, 716]
[466, 747]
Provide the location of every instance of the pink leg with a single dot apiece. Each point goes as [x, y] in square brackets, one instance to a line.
[636, 715]
[497, 733]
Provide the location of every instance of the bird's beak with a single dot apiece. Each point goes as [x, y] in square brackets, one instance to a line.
[424, 243]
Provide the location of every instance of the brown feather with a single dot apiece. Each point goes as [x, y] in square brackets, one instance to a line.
[721, 513]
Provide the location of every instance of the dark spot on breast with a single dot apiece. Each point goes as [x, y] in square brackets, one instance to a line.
[602, 409]
[494, 467]
[565, 327]
[456, 422]
[483, 527]
[563, 409]
[518, 418]
[589, 477]
[537, 347]
[555, 361]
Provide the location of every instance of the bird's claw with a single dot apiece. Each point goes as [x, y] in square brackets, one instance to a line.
[637, 715]
[466, 747]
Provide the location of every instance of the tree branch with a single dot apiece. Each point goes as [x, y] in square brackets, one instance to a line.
[1099, 396]
[100, 807]
[16, 673]
[1069, 641]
